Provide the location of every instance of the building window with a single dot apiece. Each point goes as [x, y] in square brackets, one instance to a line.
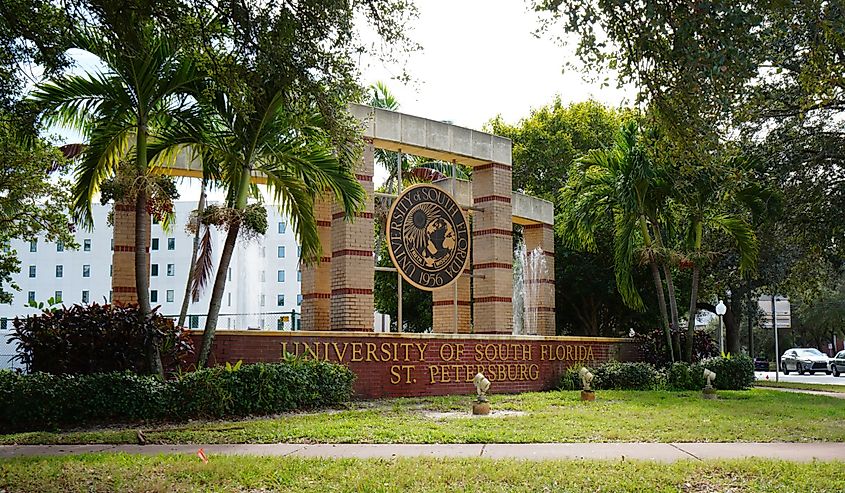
[112, 244]
[280, 300]
[30, 296]
[60, 246]
[86, 271]
[155, 220]
[280, 276]
[228, 299]
[154, 270]
[262, 300]
[86, 244]
[263, 276]
[57, 298]
[111, 270]
[85, 296]
[229, 274]
[298, 299]
[170, 296]
[299, 276]
[33, 246]
[283, 226]
[171, 243]
[110, 292]
[171, 270]
[194, 321]
[281, 252]
[298, 251]
[280, 323]
[154, 245]
[60, 271]
[4, 323]
[154, 296]
[263, 252]
[31, 271]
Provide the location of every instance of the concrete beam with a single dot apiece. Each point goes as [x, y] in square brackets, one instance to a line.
[396, 131]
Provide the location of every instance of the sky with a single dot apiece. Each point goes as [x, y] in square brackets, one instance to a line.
[479, 59]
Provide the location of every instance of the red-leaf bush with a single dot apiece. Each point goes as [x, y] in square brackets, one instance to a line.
[95, 338]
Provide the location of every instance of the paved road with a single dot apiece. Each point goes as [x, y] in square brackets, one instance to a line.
[819, 377]
[661, 452]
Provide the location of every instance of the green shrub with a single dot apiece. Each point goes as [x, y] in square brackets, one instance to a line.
[683, 376]
[43, 400]
[732, 372]
[570, 379]
[82, 339]
[626, 376]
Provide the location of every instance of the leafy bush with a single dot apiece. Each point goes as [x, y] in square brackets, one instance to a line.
[43, 400]
[626, 376]
[652, 346]
[732, 373]
[683, 376]
[570, 379]
[83, 339]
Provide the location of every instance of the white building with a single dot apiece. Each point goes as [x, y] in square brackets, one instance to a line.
[263, 289]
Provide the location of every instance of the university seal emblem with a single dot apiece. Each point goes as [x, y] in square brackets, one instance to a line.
[428, 237]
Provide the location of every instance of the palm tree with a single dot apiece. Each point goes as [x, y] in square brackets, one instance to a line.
[119, 110]
[295, 157]
[621, 188]
[715, 195]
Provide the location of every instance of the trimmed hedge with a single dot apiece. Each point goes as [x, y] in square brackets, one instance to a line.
[732, 373]
[44, 401]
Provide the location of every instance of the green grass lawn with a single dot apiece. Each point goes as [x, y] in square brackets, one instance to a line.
[821, 387]
[171, 473]
[617, 416]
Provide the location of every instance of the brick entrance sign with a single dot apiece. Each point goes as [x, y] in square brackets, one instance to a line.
[405, 365]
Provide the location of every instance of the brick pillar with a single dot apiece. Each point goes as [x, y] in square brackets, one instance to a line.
[123, 257]
[352, 265]
[317, 278]
[540, 309]
[492, 249]
[443, 308]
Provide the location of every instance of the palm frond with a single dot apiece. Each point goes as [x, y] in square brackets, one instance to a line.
[204, 266]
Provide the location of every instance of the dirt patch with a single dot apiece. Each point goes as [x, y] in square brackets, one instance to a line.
[440, 415]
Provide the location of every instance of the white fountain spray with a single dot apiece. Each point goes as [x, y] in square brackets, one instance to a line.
[530, 269]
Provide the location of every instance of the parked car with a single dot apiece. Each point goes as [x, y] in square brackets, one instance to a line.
[762, 364]
[804, 360]
[837, 364]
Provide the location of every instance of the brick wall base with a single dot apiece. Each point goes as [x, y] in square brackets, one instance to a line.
[406, 365]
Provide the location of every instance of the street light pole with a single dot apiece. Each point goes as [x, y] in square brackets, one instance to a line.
[721, 309]
[777, 350]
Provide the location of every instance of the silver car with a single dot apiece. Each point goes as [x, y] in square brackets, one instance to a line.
[804, 360]
[837, 364]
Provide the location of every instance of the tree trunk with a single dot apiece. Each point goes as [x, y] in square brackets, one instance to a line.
[142, 255]
[731, 326]
[661, 301]
[693, 302]
[223, 268]
[186, 300]
[217, 294]
[673, 311]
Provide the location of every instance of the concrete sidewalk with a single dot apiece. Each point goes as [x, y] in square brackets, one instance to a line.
[662, 452]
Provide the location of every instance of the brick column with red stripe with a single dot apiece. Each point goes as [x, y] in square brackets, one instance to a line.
[352, 265]
[540, 310]
[317, 277]
[443, 307]
[123, 256]
[492, 249]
